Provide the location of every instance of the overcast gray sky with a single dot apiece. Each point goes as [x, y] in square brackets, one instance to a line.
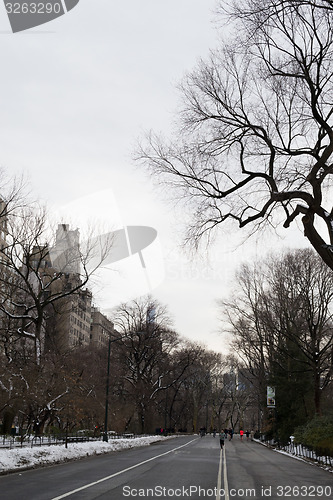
[76, 94]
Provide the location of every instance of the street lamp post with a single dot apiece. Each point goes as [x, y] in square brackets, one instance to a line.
[105, 433]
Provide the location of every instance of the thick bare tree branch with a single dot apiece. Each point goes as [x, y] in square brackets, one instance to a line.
[255, 137]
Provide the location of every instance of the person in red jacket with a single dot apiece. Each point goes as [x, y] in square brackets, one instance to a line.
[241, 432]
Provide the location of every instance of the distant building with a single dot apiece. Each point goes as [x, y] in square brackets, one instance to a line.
[69, 318]
[3, 226]
[68, 323]
[101, 328]
[8, 325]
[65, 254]
[245, 379]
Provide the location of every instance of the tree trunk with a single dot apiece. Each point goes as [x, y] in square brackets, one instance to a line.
[325, 251]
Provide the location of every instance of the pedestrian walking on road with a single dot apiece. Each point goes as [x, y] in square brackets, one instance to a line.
[241, 432]
[247, 435]
[223, 436]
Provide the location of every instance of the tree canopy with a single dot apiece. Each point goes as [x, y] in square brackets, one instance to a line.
[281, 323]
[254, 139]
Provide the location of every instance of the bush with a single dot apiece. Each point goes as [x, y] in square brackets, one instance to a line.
[317, 435]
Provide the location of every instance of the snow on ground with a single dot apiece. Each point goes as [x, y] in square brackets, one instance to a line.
[22, 458]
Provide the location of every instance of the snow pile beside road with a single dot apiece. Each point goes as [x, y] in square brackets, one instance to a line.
[19, 458]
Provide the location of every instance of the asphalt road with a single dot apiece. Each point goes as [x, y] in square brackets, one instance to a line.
[252, 467]
[185, 467]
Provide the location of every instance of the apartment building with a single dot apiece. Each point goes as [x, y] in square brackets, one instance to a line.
[69, 326]
[70, 321]
[101, 329]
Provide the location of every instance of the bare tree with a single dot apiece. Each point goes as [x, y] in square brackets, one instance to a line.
[176, 399]
[252, 9]
[282, 325]
[298, 314]
[148, 340]
[255, 139]
[37, 271]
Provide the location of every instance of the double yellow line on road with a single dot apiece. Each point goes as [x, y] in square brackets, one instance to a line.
[223, 461]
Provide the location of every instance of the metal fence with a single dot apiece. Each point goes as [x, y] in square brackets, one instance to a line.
[9, 442]
[323, 457]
